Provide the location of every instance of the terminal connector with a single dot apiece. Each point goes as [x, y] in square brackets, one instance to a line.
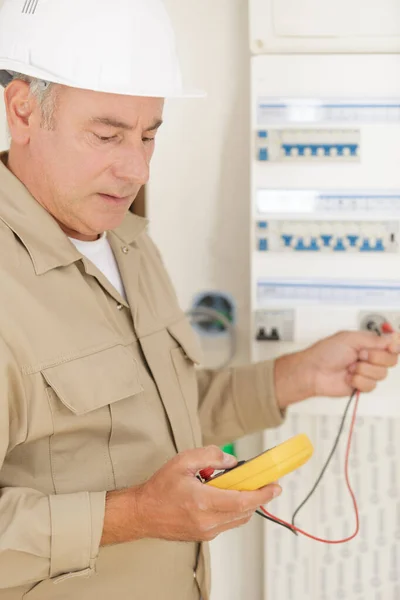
[378, 323]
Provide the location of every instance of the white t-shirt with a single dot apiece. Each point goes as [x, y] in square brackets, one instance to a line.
[100, 254]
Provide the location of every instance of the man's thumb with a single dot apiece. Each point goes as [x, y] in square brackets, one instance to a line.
[200, 458]
[371, 341]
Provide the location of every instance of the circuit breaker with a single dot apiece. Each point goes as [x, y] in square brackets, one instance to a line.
[326, 236]
[309, 145]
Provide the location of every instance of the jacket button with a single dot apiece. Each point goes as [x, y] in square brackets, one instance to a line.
[125, 249]
[120, 306]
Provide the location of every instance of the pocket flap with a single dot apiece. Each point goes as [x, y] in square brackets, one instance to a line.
[183, 333]
[90, 382]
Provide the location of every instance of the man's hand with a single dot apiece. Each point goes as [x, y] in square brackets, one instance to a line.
[336, 366]
[175, 505]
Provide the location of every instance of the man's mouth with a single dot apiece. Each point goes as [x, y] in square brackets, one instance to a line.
[115, 199]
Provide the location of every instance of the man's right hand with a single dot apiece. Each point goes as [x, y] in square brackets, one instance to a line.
[174, 505]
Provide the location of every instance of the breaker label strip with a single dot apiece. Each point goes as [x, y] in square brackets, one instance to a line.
[276, 111]
[321, 291]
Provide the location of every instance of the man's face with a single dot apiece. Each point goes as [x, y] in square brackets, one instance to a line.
[88, 169]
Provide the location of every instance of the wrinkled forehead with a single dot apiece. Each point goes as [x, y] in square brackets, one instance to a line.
[113, 110]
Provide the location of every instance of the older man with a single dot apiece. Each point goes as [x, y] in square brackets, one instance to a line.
[103, 416]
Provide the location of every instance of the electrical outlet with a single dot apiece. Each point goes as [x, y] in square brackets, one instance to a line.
[373, 320]
[274, 325]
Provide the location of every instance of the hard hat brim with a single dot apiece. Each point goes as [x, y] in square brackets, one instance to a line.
[7, 65]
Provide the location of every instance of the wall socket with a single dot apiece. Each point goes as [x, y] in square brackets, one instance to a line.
[373, 320]
[274, 325]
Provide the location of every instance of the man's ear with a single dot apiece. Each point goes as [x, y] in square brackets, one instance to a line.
[19, 107]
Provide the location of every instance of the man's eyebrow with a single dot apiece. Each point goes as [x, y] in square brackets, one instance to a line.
[156, 125]
[111, 122]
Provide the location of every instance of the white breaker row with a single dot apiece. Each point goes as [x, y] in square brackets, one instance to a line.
[326, 236]
[308, 145]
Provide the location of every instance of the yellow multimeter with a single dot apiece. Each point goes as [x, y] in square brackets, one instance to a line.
[267, 467]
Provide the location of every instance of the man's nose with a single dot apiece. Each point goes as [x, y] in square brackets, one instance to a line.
[133, 167]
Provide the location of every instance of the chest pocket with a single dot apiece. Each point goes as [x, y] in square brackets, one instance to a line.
[80, 393]
[172, 356]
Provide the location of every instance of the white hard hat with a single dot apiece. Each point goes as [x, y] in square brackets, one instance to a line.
[116, 46]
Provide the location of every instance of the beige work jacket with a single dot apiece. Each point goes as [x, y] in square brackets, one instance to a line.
[95, 395]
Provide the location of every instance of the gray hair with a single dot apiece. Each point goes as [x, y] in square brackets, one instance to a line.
[44, 94]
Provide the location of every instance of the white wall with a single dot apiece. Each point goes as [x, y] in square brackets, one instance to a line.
[199, 210]
[200, 179]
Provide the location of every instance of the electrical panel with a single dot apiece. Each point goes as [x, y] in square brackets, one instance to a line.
[324, 26]
[325, 219]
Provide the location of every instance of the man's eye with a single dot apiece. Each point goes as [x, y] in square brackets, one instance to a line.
[147, 140]
[106, 139]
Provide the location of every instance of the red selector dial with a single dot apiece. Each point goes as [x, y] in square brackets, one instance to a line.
[206, 473]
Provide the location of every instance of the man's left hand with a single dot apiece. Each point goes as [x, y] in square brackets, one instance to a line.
[336, 366]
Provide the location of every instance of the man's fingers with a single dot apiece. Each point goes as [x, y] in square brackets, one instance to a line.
[251, 500]
[362, 384]
[232, 524]
[394, 345]
[369, 340]
[379, 358]
[230, 520]
[199, 458]
[370, 371]
[233, 502]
